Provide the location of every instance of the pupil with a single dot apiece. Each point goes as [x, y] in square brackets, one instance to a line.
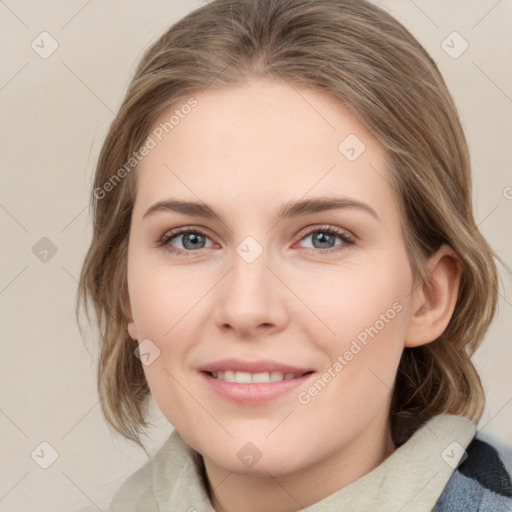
[194, 237]
[323, 238]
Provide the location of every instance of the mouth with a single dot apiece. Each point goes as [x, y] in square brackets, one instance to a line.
[253, 382]
[241, 377]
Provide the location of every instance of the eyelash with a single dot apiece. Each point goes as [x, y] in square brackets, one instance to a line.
[347, 240]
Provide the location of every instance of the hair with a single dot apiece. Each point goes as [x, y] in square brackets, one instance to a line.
[361, 55]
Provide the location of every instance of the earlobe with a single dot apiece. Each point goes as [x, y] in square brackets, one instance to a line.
[127, 310]
[132, 331]
[434, 299]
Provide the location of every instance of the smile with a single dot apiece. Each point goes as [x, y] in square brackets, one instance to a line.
[253, 382]
[242, 377]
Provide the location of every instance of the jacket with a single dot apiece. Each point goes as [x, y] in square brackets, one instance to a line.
[481, 483]
[443, 467]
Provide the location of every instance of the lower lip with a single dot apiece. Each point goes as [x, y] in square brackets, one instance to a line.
[254, 393]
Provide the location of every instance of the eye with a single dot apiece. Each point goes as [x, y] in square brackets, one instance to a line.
[192, 240]
[324, 238]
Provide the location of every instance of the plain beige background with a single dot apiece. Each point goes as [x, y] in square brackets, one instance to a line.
[55, 112]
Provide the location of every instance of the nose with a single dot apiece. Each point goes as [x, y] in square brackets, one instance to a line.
[251, 299]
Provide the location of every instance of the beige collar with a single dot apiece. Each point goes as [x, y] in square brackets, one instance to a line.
[411, 479]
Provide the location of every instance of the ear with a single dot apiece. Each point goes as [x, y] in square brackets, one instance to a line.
[434, 298]
[127, 309]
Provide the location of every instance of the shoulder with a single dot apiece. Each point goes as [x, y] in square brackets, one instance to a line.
[140, 491]
[481, 483]
[134, 494]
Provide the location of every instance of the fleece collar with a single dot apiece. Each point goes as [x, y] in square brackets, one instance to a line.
[412, 478]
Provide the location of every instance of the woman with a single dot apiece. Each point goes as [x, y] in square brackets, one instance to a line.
[334, 375]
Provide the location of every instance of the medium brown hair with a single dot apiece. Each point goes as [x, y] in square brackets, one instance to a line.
[359, 54]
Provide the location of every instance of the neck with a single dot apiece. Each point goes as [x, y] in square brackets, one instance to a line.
[232, 492]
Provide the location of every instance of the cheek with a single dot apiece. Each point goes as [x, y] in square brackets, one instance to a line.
[163, 311]
[349, 300]
[163, 297]
[368, 314]
[364, 311]
[165, 303]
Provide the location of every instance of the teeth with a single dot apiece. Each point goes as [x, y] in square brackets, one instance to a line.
[261, 377]
[247, 378]
[240, 377]
[274, 376]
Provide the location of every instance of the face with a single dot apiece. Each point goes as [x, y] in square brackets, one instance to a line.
[306, 311]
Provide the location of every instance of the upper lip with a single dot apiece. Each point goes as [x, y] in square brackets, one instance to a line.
[262, 365]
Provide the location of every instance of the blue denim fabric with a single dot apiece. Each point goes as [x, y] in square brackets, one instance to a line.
[463, 494]
[480, 484]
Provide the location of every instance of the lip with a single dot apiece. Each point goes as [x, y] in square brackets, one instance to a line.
[255, 392]
[261, 365]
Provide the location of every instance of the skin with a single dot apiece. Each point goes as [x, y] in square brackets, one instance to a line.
[245, 151]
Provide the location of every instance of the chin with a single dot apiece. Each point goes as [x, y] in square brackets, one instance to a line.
[259, 458]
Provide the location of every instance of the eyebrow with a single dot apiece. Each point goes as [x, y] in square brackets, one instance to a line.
[290, 209]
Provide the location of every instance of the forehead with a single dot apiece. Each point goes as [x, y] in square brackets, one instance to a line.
[261, 142]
